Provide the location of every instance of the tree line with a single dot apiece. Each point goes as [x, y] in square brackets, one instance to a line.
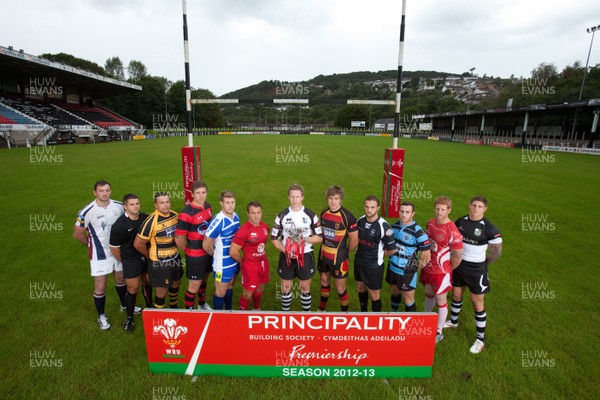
[161, 103]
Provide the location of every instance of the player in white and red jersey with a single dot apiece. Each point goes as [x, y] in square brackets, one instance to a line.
[251, 240]
[446, 254]
[93, 229]
[482, 243]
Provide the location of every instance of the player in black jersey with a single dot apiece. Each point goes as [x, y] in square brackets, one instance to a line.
[135, 270]
[482, 246]
[375, 241]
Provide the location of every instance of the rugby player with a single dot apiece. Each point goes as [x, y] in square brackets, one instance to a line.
[93, 229]
[375, 241]
[191, 226]
[402, 270]
[482, 246]
[294, 232]
[217, 242]
[250, 240]
[135, 269]
[338, 225]
[164, 268]
[446, 252]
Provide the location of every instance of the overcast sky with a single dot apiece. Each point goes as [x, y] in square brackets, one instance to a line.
[237, 43]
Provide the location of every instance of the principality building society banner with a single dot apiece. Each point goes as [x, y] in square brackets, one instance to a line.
[292, 344]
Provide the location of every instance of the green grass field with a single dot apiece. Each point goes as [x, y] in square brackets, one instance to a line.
[542, 331]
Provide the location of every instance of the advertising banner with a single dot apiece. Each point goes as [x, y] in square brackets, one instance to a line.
[290, 344]
[393, 171]
[190, 161]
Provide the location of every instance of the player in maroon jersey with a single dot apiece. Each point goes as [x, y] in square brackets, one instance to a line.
[250, 240]
[191, 226]
[446, 254]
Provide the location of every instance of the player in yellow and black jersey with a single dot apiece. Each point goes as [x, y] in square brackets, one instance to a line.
[165, 269]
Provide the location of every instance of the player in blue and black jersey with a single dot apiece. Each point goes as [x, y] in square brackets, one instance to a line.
[405, 262]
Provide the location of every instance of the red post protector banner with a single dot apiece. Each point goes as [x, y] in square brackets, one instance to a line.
[190, 161]
[293, 344]
[393, 171]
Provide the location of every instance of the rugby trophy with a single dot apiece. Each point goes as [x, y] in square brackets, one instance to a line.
[294, 246]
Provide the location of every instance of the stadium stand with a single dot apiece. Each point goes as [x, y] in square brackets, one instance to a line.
[45, 102]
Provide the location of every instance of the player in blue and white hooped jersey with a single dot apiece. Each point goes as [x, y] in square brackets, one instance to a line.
[92, 228]
[217, 241]
[403, 265]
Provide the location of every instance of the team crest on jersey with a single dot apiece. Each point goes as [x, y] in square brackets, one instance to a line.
[477, 232]
[440, 237]
[406, 237]
[337, 226]
[304, 220]
[261, 248]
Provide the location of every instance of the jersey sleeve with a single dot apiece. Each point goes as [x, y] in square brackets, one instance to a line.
[146, 228]
[184, 222]
[277, 228]
[214, 230]
[389, 243]
[352, 225]
[240, 236]
[116, 234]
[494, 235]
[423, 242]
[456, 238]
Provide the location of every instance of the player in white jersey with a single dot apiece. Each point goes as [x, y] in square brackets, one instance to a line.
[294, 232]
[217, 241]
[93, 229]
[482, 246]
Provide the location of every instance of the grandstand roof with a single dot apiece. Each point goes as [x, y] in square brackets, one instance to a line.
[23, 66]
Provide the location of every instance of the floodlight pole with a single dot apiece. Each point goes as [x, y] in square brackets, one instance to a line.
[591, 30]
[399, 77]
[188, 89]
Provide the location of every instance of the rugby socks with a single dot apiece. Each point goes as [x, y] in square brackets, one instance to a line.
[202, 294]
[218, 302]
[229, 299]
[244, 303]
[159, 302]
[376, 305]
[286, 301]
[147, 293]
[324, 297]
[189, 299]
[256, 296]
[121, 291]
[442, 315]
[363, 299]
[455, 310]
[429, 303]
[305, 299]
[412, 307]
[344, 300]
[99, 302]
[173, 294]
[130, 303]
[480, 321]
[396, 302]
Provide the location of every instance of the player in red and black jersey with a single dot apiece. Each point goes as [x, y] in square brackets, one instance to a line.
[338, 225]
[251, 240]
[191, 226]
[482, 245]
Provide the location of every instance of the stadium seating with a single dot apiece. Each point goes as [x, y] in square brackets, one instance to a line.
[47, 113]
[97, 115]
[10, 116]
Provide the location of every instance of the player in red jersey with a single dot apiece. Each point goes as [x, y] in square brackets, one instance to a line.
[251, 240]
[191, 226]
[338, 225]
[446, 254]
